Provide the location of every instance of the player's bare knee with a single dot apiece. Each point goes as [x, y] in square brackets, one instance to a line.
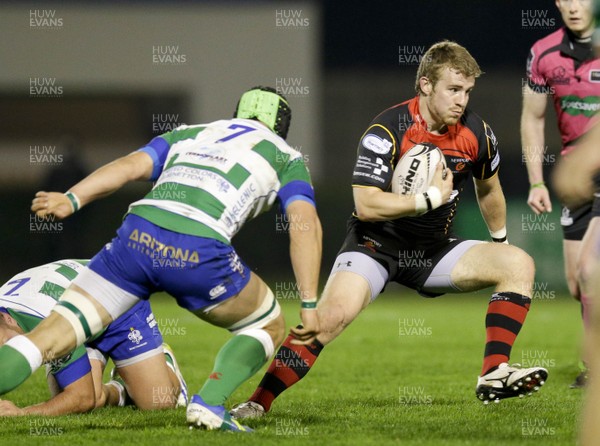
[86, 403]
[169, 402]
[585, 274]
[573, 285]
[523, 266]
[166, 402]
[332, 319]
[332, 322]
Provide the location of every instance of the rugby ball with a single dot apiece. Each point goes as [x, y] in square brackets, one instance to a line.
[416, 168]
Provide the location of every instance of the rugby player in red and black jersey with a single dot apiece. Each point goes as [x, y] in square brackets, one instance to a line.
[562, 66]
[394, 238]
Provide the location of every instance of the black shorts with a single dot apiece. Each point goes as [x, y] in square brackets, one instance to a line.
[575, 223]
[409, 261]
[596, 205]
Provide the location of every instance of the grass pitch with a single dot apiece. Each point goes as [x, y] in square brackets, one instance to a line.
[403, 373]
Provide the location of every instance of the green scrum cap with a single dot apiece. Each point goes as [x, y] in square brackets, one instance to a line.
[268, 107]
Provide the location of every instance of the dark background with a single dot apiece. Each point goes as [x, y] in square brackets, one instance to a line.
[365, 34]
[360, 76]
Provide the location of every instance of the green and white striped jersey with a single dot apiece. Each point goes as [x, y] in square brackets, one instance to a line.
[212, 178]
[30, 295]
[29, 298]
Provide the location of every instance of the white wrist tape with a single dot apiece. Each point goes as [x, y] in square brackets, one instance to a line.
[499, 236]
[74, 200]
[428, 201]
[500, 233]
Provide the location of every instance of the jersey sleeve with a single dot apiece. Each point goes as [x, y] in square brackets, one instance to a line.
[69, 369]
[536, 79]
[158, 149]
[295, 184]
[375, 158]
[488, 158]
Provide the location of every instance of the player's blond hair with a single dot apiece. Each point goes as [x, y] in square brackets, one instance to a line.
[446, 54]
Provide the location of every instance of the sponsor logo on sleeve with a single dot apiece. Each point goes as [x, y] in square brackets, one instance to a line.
[490, 134]
[594, 75]
[380, 167]
[376, 144]
[369, 169]
[496, 161]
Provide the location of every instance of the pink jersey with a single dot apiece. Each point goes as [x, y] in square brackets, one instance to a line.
[561, 66]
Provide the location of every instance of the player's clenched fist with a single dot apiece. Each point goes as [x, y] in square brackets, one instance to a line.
[443, 181]
[8, 409]
[307, 333]
[52, 203]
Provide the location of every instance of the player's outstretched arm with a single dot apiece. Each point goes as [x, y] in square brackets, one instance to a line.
[77, 397]
[373, 204]
[492, 205]
[100, 183]
[532, 142]
[305, 251]
[573, 175]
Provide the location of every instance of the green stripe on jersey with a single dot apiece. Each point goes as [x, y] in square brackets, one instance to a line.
[27, 322]
[51, 289]
[273, 155]
[176, 223]
[193, 196]
[296, 171]
[180, 135]
[66, 271]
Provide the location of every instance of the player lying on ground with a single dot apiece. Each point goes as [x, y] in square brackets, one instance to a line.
[209, 180]
[386, 231]
[148, 377]
[562, 67]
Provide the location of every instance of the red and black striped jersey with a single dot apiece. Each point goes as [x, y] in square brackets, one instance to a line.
[470, 148]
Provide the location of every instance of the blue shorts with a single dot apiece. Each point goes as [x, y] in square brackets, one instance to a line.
[133, 334]
[144, 258]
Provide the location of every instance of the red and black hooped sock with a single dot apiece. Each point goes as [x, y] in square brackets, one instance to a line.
[291, 364]
[505, 316]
